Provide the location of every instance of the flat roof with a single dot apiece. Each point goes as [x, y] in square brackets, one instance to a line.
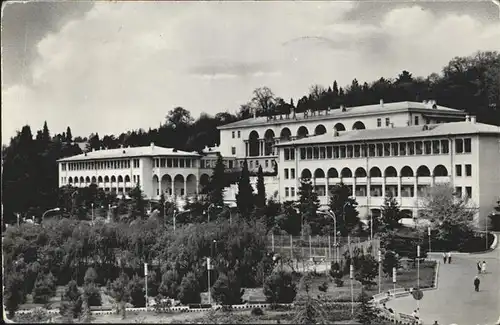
[428, 130]
[350, 112]
[146, 151]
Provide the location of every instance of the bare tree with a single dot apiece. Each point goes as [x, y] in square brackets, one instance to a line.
[263, 100]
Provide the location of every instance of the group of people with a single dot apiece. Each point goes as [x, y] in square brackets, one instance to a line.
[447, 257]
[481, 268]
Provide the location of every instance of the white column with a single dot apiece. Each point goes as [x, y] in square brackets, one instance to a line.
[185, 187]
[354, 186]
[383, 186]
[159, 186]
[173, 187]
[399, 191]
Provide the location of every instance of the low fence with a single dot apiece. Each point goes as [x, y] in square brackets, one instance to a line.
[305, 248]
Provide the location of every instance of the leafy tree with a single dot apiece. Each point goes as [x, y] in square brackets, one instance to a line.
[179, 117]
[44, 289]
[189, 291]
[367, 270]
[390, 214]
[71, 301]
[227, 289]
[217, 183]
[280, 288]
[308, 206]
[14, 293]
[263, 101]
[290, 220]
[345, 209]
[245, 198]
[120, 292]
[94, 142]
[90, 276]
[137, 207]
[367, 313]
[336, 273]
[92, 294]
[454, 216]
[137, 294]
[391, 260]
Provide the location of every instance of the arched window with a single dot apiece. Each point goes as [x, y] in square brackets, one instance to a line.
[99, 179]
[339, 127]
[375, 172]
[127, 178]
[82, 180]
[253, 144]
[113, 179]
[285, 134]
[269, 141]
[319, 173]
[106, 179]
[306, 173]
[302, 132]
[358, 126]
[120, 179]
[390, 172]
[320, 129]
[423, 171]
[360, 172]
[333, 173]
[406, 171]
[346, 172]
[94, 180]
[87, 179]
[440, 170]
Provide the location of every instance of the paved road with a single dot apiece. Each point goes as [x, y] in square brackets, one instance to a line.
[455, 301]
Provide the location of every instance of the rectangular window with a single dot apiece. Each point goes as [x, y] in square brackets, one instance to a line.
[309, 153]
[468, 191]
[458, 191]
[329, 152]
[181, 163]
[391, 190]
[427, 147]
[435, 147]
[138, 179]
[380, 150]
[411, 148]
[423, 190]
[239, 134]
[316, 153]
[364, 148]
[322, 153]
[230, 164]
[287, 192]
[162, 162]
[379, 122]
[336, 152]
[357, 150]
[445, 146]
[407, 191]
[402, 148]
[292, 173]
[343, 151]
[394, 149]
[376, 190]
[267, 163]
[418, 148]
[233, 134]
[387, 121]
[176, 163]
[467, 145]
[292, 191]
[468, 170]
[458, 170]
[387, 149]
[286, 173]
[459, 145]
[371, 150]
[251, 164]
[286, 154]
[233, 150]
[169, 162]
[416, 120]
[361, 190]
[349, 151]
[188, 163]
[302, 153]
[292, 154]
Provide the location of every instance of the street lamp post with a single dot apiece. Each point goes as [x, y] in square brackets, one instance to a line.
[429, 235]
[418, 271]
[331, 214]
[379, 270]
[92, 205]
[371, 226]
[146, 282]
[351, 276]
[50, 210]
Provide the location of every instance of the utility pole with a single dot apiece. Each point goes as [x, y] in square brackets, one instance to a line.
[379, 270]
[146, 283]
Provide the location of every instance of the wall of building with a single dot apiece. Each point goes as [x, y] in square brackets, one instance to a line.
[488, 173]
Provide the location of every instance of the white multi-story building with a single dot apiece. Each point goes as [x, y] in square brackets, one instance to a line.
[400, 148]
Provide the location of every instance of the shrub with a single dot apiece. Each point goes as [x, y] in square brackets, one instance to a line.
[93, 294]
[71, 301]
[136, 288]
[256, 311]
[323, 287]
[44, 289]
[227, 289]
[14, 293]
[169, 284]
[189, 291]
[336, 273]
[280, 288]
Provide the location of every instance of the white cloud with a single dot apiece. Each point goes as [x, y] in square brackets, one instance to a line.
[125, 65]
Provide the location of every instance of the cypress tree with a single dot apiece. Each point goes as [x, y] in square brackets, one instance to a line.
[260, 198]
[244, 198]
[216, 186]
[308, 206]
[69, 136]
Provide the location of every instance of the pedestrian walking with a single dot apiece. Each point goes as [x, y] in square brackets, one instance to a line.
[483, 267]
[444, 257]
[449, 257]
[476, 283]
[478, 267]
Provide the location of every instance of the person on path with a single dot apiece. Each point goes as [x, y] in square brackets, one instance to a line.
[476, 283]
[449, 257]
[479, 267]
[483, 267]
[444, 257]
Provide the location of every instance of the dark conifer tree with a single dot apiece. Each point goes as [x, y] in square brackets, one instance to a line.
[260, 198]
[245, 197]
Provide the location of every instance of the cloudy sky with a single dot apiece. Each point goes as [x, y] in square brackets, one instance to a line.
[109, 67]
